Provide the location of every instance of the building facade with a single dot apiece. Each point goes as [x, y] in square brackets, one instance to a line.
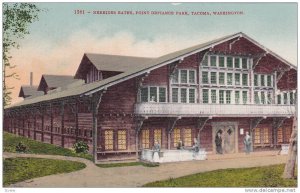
[231, 85]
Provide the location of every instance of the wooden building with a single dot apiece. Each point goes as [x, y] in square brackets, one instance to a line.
[122, 104]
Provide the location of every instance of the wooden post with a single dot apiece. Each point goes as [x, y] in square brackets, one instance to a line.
[51, 124]
[42, 136]
[62, 114]
[139, 124]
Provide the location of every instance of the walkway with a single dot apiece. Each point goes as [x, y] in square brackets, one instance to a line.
[135, 176]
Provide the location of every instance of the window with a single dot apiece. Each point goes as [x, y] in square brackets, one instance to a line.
[237, 62]
[262, 80]
[205, 77]
[183, 76]
[153, 94]
[237, 79]
[269, 100]
[221, 61]
[256, 98]
[221, 96]
[266, 135]
[269, 80]
[263, 98]
[245, 79]
[257, 135]
[192, 95]
[192, 77]
[205, 95]
[228, 96]
[237, 97]
[188, 137]
[229, 78]
[175, 95]
[213, 61]
[245, 97]
[162, 94]
[279, 99]
[109, 139]
[157, 135]
[213, 95]
[221, 78]
[122, 139]
[285, 98]
[145, 138]
[279, 135]
[244, 63]
[183, 92]
[176, 136]
[291, 98]
[175, 78]
[213, 78]
[229, 62]
[255, 80]
[205, 61]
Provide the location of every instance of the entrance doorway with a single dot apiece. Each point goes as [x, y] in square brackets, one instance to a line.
[228, 131]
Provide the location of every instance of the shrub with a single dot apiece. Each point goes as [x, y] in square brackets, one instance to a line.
[81, 147]
[20, 148]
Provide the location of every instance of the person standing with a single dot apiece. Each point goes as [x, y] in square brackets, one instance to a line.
[247, 142]
[218, 141]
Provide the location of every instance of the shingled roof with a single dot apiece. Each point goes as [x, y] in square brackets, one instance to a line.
[55, 81]
[29, 91]
[149, 65]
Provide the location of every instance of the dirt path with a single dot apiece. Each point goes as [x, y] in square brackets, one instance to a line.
[135, 176]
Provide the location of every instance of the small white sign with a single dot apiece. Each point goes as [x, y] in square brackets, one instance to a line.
[241, 131]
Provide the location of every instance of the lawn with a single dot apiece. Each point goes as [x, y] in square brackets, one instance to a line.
[269, 176]
[20, 169]
[11, 140]
[125, 164]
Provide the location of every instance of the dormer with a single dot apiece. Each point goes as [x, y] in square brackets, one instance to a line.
[29, 91]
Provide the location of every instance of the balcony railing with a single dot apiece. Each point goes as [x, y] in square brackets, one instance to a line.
[215, 110]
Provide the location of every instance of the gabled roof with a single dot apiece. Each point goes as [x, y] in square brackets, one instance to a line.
[55, 81]
[29, 91]
[152, 64]
[106, 62]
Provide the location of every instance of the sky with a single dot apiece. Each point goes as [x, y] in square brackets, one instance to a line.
[59, 39]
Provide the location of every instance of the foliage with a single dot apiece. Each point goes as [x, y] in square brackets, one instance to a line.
[16, 19]
[20, 169]
[20, 148]
[267, 176]
[81, 147]
[10, 141]
[125, 164]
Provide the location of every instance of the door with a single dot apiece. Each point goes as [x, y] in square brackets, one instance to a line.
[229, 137]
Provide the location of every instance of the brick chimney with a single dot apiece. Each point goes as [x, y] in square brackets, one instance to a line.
[31, 78]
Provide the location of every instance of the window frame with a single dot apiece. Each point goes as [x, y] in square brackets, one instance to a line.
[157, 94]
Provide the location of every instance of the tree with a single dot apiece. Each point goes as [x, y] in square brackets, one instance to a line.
[16, 19]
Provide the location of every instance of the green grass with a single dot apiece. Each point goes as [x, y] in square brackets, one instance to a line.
[20, 169]
[125, 164]
[11, 140]
[269, 176]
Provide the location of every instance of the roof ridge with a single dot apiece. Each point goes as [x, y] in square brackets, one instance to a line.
[120, 55]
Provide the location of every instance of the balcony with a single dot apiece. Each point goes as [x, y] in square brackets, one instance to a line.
[215, 110]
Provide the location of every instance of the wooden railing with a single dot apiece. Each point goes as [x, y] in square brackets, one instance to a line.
[215, 110]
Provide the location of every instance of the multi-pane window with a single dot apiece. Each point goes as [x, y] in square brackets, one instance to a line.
[192, 95]
[176, 134]
[175, 77]
[205, 61]
[256, 98]
[192, 76]
[228, 96]
[221, 61]
[269, 99]
[245, 97]
[183, 92]
[245, 79]
[205, 77]
[175, 95]
[263, 98]
[221, 96]
[157, 135]
[221, 78]
[213, 94]
[205, 95]
[188, 137]
[292, 98]
[237, 79]
[109, 139]
[269, 80]
[145, 138]
[279, 99]
[266, 135]
[229, 62]
[144, 94]
[122, 139]
[237, 97]
[279, 135]
[229, 78]
[213, 61]
[213, 78]
[244, 63]
[262, 80]
[153, 94]
[162, 94]
[237, 62]
[183, 76]
[255, 80]
[285, 98]
[257, 136]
